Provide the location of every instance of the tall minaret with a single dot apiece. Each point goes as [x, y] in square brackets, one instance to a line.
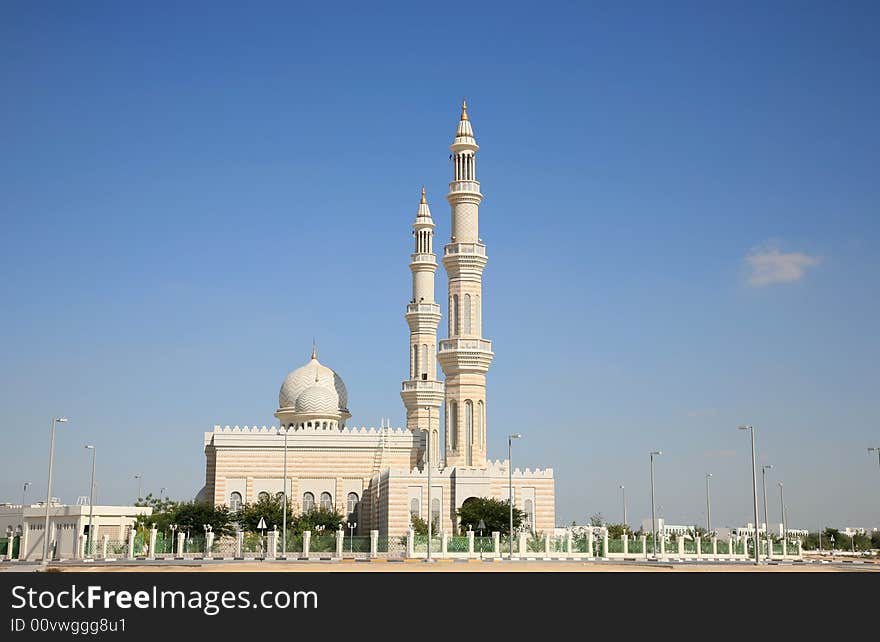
[422, 394]
[465, 356]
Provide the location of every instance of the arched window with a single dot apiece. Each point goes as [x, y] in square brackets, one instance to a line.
[469, 429]
[263, 497]
[415, 364]
[529, 510]
[456, 320]
[481, 425]
[352, 507]
[326, 501]
[424, 362]
[308, 502]
[234, 502]
[435, 454]
[279, 495]
[435, 513]
[466, 314]
[414, 508]
[452, 427]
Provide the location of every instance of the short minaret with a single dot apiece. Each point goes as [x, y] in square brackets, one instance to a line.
[465, 357]
[422, 394]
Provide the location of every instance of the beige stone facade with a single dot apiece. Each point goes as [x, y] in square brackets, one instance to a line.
[379, 477]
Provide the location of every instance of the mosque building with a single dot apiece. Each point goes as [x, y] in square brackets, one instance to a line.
[379, 477]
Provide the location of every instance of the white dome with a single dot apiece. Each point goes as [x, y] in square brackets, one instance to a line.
[317, 400]
[313, 375]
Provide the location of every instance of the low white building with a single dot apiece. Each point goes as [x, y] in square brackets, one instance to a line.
[664, 529]
[67, 523]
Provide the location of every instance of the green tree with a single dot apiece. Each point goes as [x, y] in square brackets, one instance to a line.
[192, 516]
[269, 508]
[329, 519]
[875, 539]
[420, 526]
[494, 513]
[162, 515]
[596, 519]
[616, 531]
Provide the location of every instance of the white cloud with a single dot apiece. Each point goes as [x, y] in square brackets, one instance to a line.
[769, 265]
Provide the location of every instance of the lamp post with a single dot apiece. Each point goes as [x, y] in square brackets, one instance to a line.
[55, 420]
[708, 506]
[428, 464]
[351, 527]
[24, 491]
[91, 497]
[140, 479]
[653, 510]
[782, 507]
[751, 429]
[510, 439]
[764, 470]
[623, 491]
[284, 499]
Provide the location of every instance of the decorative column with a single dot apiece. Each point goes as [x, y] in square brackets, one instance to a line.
[153, 535]
[470, 537]
[699, 542]
[340, 539]
[374, 543]
[307, 542]
[496, 543]
[131, 534]
[180, 539]
[465, 356]
[714, 546]
[625, 544]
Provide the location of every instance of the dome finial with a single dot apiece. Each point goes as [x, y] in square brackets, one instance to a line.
[314, 350]
[464, 115]
[424, 200]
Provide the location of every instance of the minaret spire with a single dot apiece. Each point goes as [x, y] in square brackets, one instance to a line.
[465, 357]
[422, 393]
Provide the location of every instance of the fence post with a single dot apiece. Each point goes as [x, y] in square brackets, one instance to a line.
[522, 543]
[547, 543]
[645, 545]
[239, 544]
[209, 543]
[374, 543]
[730, 549]
[625, 539]
[23, 541]
[307, 542]
[605, 544]
[662, 544]
[714, 546]
[496, 543]
[153, 535]
[699, 541]
[131, 534]
[800, 548]
[470, 536]
[410, 542]
[272, 544]
[105, 541]
[180, 538]
[340, 535]
[681, 546]
[81, 548]
[589, 541]
[569, 544]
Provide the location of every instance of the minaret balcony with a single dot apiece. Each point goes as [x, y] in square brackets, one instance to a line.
[465, 355]
[478, 345]
[423, 386]
[426, 308]
[476, 249]
[464, 187]
[423, 259]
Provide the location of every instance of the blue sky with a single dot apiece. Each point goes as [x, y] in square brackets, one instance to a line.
[681, 214]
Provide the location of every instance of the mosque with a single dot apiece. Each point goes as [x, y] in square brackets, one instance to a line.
[378, 478]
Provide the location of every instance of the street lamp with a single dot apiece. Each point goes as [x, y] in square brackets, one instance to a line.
[351, 527]
[653, 510]
[140, 479]
[708, 506]
[764, 470]
[510, 439]
[55, 420]
[754, 489]
[623, 490]
[782, 507]
[428, 463]
[24, 491]
[286, 429]
[91, 497]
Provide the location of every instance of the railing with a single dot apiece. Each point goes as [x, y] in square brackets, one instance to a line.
[422, 257]
[434, 386]
[465, 248]
[422, 307]
[481, 345]
[464, 186]
[457, 544]
[322, 544]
